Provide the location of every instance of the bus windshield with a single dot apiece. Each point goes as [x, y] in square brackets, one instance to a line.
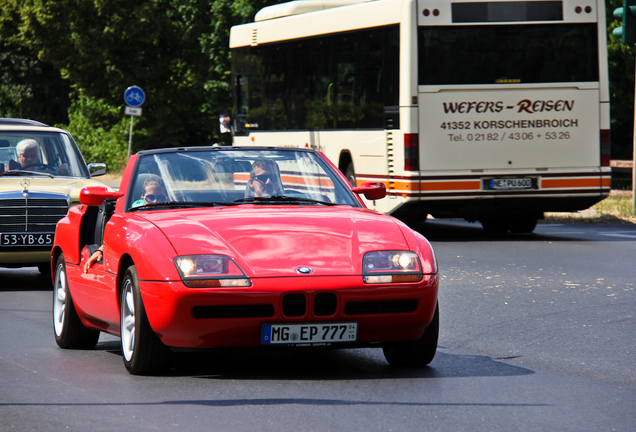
[531, 53]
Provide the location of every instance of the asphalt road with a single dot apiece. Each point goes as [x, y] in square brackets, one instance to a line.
[537, 334]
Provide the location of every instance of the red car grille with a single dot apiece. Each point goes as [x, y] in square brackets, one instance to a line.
[325, 304]
[294, 305]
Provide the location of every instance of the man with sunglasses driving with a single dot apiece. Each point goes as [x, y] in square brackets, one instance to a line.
[265, 179]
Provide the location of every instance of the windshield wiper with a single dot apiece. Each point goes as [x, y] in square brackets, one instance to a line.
[180, 204]
[23, 172]
[282, 199]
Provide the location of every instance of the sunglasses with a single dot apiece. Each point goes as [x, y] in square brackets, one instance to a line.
[155, 198]
[263, 178]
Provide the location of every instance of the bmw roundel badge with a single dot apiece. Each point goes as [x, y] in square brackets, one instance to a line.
[304, 270]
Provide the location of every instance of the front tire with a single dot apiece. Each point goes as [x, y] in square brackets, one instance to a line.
[416, 353]
[69, 330]
[143, 352]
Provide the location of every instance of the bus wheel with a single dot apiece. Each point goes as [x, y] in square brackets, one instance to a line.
[524, 225]
[495, 225]
[413, 220]
[350, 174]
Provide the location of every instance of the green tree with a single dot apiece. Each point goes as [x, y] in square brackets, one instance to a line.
[100, 131]
[176, 50]
[29, 88]
[621, 76]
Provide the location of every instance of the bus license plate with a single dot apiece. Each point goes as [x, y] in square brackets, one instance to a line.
[27, 239]
[511, 183]
[309, 334]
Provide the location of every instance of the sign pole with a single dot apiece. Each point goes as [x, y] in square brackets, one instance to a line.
[130, 136]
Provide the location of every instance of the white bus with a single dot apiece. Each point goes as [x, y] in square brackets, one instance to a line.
[493, 111]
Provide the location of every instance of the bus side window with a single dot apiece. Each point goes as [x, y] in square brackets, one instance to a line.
[241, 117]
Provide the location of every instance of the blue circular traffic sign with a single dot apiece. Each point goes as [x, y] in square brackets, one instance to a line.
[134, 96]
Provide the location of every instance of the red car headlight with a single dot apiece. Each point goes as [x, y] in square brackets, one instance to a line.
[391, 267]
[210, 271]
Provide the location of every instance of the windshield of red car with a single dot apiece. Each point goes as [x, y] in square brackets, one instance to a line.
[235, 176]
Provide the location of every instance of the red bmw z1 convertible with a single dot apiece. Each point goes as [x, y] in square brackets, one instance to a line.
[210, 247]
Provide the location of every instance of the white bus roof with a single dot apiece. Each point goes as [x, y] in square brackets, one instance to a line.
[282, 23]
[300, 7]
[308, 18]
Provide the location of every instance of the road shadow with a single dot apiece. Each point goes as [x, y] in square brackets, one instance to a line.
[348, 365]
[456, 230]
[24, 279]
[306, 364]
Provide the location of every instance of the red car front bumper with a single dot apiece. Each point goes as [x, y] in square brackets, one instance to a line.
[185, 317]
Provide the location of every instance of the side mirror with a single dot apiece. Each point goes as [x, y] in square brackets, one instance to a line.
[372, 190]
[96, 195]
[97, 169]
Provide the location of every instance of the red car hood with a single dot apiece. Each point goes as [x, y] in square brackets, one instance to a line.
[275, 241]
